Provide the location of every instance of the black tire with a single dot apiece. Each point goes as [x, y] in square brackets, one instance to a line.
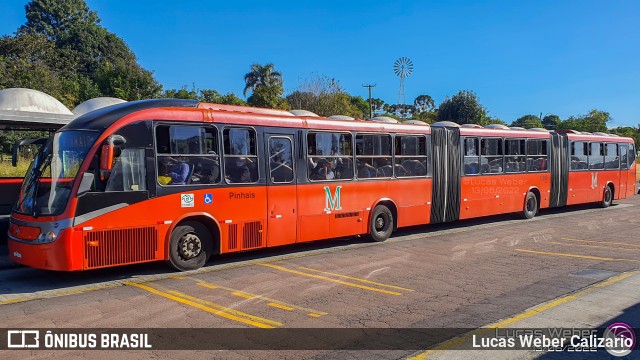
[530, 206]
[190, 247]
[381, 225]
[607, 197]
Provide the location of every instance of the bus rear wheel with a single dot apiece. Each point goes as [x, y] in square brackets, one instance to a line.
[381, 225]
[607, 197]
[530, 206]
[190, 247]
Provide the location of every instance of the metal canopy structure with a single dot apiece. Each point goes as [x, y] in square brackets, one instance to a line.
[27, 109]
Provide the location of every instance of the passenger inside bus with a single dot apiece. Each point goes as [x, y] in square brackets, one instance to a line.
[163, 179]
[323, 170]
[178, 171]
[240, 170]
[205, 173]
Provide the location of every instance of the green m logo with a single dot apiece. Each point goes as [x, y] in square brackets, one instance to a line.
[332, 202]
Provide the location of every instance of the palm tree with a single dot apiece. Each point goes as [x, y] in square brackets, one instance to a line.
[262, 76]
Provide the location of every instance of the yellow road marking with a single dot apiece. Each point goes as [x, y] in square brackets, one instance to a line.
[593, 246]
[226, 309]
[210, 307]
[355, 278]
[603, 242]
[254, 296]
[314, 315]
[242, 295]
[207, 285]
[280, 306]
[589, 257]
[364, 287]
[457, 341]
[56, 294]
[17, 300]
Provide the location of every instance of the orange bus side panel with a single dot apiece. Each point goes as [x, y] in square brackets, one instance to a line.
[498, 194]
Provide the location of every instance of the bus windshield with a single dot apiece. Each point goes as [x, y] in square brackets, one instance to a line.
[52, 173]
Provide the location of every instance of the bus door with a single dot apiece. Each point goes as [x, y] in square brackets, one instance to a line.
[631, 174]
[627, 177]
[281, 190]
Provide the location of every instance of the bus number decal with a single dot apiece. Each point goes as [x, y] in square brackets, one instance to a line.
[332, 202]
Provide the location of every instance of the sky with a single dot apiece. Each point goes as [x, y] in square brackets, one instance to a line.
[533, 57]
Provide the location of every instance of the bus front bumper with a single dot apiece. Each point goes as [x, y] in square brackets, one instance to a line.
[56, 255]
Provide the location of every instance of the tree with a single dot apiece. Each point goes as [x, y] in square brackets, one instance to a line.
[212, 96]
[358, 102]
[266, 87]
[31, 61]
[551, 121]
[595, 120]
[628, 131]
[528, 122]
[463, 108]
[126, 80]
[423, 103]
[68, 55]
[378, 105]
[427, 116]
[183, 93]
[324, 96]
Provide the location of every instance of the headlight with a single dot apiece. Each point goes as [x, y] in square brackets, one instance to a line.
[51, 236]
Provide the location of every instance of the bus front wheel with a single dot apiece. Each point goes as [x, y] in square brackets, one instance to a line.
[190, 247]
[530, 206]
[381, 225]
[607, 197]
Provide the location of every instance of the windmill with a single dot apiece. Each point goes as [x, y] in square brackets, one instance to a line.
[403, 67]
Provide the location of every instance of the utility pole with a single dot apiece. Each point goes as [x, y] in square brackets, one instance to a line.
[370, 101]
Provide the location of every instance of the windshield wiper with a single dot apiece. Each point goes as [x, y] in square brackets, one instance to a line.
[38, 173]
[27, 186]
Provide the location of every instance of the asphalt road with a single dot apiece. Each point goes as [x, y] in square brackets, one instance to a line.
[463, 275]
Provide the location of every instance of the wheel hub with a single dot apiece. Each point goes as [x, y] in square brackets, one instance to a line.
[530, 205]
[191, 246]
[380, 223]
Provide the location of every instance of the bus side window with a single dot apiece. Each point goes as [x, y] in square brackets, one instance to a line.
[329, 156]
[411, 156]
[624, 152]
[492, 156]
[187, 155]
[373, 156]
[579, 155]
[471, 156]
[240, 155]
[515, 160]
[129, 172]
[611, 159]
[280, 160]
[596, 156]
[536, 155]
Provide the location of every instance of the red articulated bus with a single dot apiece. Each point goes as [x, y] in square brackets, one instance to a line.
[180, 181]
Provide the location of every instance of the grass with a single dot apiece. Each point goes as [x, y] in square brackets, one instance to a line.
[7, 170]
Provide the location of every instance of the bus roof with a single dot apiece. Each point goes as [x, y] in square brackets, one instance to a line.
[101, 119]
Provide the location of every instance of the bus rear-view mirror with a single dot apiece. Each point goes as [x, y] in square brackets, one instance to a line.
[106, 157]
